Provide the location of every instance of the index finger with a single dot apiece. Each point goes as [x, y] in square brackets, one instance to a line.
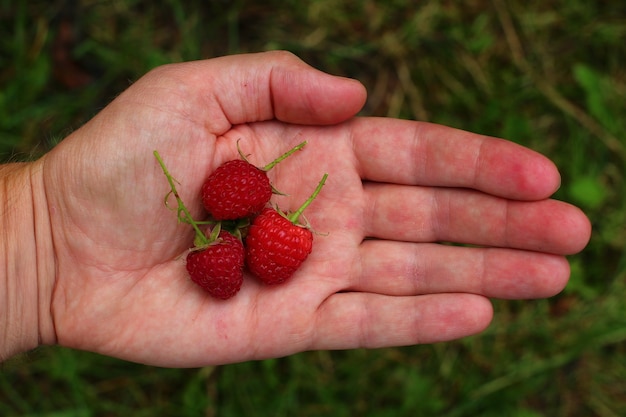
[419, 153]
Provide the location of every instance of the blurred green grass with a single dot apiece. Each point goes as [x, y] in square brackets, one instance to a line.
[547, 74]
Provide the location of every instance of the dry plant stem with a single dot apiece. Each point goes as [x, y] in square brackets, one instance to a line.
[556, 98]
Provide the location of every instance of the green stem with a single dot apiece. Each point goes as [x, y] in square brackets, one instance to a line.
[296, 214]
[181, 206]
[284, 156]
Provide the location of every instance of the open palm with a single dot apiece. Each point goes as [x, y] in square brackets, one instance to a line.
[377, 275]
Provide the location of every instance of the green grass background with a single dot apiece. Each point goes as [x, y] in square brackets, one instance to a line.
[547, 74]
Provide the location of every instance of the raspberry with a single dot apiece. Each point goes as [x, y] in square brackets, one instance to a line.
[218, 267]
[238, 189]
[276, 246]
[216, 261]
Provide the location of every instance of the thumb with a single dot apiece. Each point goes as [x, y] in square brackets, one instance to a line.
[247, 88]
[302, 94]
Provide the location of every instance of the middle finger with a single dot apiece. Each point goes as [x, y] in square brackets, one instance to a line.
[427, 214]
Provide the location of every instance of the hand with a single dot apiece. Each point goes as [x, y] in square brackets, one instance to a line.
[377, 275]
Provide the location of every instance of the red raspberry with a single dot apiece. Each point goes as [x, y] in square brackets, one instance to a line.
[275, 247]
[218, 268]
[276, 244]
[216, 261]
[236, 189]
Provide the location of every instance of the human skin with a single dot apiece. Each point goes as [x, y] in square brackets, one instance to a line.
[94, 258]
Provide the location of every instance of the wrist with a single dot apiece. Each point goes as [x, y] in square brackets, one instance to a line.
[26, 256]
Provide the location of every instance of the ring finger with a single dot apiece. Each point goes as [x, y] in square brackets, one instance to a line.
[402, 268]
